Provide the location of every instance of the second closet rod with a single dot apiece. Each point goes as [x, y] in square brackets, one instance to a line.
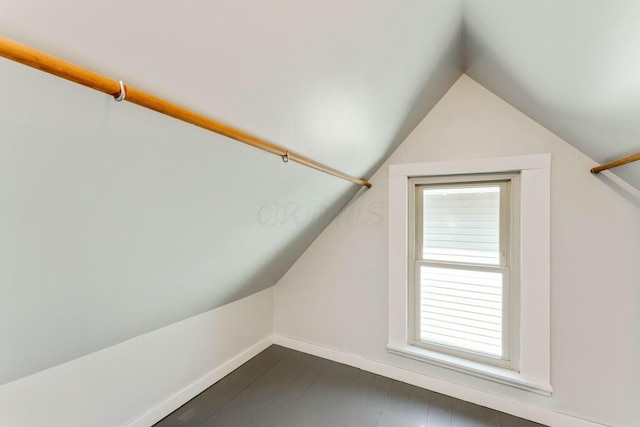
[616, 163]
[52, 65]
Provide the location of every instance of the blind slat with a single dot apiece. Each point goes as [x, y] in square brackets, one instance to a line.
[466, 315]
[462, 343]
[434, 315]
[472, 337]
[493, 332]
[454, 313]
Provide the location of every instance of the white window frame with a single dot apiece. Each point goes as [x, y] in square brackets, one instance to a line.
[508, 265]
[533, 372]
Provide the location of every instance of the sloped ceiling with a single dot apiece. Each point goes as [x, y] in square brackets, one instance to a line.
[116, 221]
[572, 65]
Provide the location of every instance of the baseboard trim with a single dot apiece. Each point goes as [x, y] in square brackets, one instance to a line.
[178, 399]
[498, 403]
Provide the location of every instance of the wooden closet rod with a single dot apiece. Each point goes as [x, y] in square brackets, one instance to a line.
[52, 65]
[619, 162]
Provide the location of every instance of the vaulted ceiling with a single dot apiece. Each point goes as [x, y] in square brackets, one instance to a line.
[118, 221]
[572, 65]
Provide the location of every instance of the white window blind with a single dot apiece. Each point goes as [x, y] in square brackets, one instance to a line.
[461, 224]
[461, 294]
[462, 309]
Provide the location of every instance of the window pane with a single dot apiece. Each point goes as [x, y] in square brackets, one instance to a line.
[462, 309]
[461, 224]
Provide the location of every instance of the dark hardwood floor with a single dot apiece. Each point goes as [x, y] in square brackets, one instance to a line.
[282, 388]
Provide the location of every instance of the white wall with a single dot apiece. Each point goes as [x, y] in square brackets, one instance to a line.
[139, 381]
[335, 296]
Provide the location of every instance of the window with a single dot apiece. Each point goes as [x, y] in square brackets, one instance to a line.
[469, 267]
[462, 281]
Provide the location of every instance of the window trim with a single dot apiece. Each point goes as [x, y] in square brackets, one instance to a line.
[534, 344]
[509, 184]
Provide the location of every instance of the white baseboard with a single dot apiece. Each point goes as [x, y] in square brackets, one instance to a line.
[498, 403]
[181, 397]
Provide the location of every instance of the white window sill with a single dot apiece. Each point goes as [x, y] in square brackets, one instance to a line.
[476, 369]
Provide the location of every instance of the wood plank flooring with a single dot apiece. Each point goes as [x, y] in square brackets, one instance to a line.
[285, 388]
